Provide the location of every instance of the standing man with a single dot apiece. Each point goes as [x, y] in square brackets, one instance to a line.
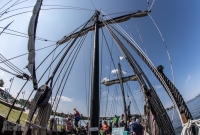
[110, 125]
[136, 128]
[77, 118]
[115, 120]
[120, 119]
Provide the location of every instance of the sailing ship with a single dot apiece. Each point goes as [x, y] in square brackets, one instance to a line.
[61, 65]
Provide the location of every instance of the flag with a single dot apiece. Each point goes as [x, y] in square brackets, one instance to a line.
[5, 28]
[121, 57]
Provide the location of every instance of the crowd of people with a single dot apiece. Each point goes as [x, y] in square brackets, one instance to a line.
[133, 126]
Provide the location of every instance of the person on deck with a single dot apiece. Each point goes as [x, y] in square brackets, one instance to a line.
[122, 124]
[115, 120]
[120, 119]
[130, 125]
[77, 118]
[109, 125]
[105, 128]
[69, 123]
[130, 121]
[100, 124]
[135, 128]
[86, 128]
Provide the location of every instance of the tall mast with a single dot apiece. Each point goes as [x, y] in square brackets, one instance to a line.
[123, 97]
[94, 106]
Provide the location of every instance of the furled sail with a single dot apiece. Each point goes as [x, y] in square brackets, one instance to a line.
[31, 41]
[101, 24]
[124, 79]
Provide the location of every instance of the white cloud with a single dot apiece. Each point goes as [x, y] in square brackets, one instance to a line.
[105, 79]
[121, 57]
[67, 99]
[188, 78]
[104, 93]
[158, 86]
[114, 71]
[63, 98]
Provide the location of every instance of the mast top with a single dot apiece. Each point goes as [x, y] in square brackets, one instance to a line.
[97, 12]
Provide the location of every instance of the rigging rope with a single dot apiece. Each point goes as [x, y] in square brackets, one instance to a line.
[37, 38]
[15, 100]
[10, 65]
[133, 99]
[148, 4]
[5, 4]
[64, 7]
[74, 57]
[156, 104]
[86, 91]
[109, 52]
[153, 77]
[50, 71]
[60, 52]
[38, 82]
[93, 4]
[26, 53]
[173, 80]
[52, 62]
[15, 15]
[147, 61]
[5, 11]
[66, 69]
[18, 121]
[165, 48]
[9, 8]
[58, 65]
[151, 5]
[68, 8]
[108, 77]
[100, 86]
[41, 9]
[8, 71]
[67, 60]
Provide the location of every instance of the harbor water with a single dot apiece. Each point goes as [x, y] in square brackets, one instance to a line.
[194, 107]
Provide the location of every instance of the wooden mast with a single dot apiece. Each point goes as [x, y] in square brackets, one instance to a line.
[123, 97]
[94, 104]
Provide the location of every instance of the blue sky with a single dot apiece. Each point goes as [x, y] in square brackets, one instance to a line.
[177, 20]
